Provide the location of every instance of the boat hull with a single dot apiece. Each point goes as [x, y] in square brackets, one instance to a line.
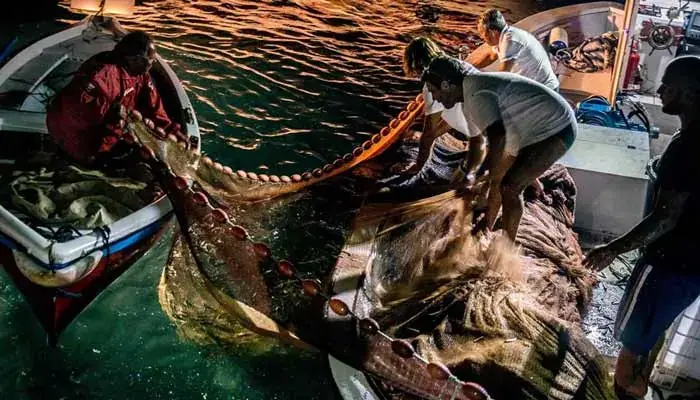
[57, 307]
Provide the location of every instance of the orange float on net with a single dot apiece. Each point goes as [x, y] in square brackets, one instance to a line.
[181, 183]
[438, 371]
[239, 232]
[474, 391]
[339, 307]
[200, 198]
[220, 216]
[261, 250]
[402, 348]
[311, 287]
[286, 268]
[146, 153]
[369, 326]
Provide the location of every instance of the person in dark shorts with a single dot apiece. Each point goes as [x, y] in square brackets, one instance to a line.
[527, 125]
[666, 279]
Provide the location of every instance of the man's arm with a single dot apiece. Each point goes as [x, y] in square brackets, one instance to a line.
[506, 66]
[661, 220]
[667, 210]
[476, 156]
[151, 105]
[432, 129]
[498, 163]
[482, 59]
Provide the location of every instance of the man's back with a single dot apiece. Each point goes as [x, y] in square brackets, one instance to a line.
[528, 55]
[530, 111]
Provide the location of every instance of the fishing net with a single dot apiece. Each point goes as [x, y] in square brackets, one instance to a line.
[319, 265]
[68, 194]
[594, 54]
[504, 317]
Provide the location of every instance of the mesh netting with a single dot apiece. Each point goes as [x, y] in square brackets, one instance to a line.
[496, 316]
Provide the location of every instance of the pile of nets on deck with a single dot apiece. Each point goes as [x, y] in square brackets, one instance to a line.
[70, 195]
[505, 317]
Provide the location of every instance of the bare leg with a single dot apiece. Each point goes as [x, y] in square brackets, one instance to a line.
[532, 162]
[494, 203]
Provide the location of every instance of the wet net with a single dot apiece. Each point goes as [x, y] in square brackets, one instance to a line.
[398, 290]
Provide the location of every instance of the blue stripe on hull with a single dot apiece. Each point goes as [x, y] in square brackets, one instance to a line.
[113, 248]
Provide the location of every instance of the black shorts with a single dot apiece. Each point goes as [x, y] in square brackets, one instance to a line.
[654, 297]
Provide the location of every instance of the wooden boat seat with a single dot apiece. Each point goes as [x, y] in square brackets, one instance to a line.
[22, 121]
[30, 75]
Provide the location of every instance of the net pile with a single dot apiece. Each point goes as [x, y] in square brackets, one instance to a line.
[503, 318]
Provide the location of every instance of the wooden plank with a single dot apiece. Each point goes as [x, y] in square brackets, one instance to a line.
[623, 47]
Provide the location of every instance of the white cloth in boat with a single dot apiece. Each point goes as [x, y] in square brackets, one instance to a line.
[454, 117]
[447, 151]
[529, 57]
[530, 111]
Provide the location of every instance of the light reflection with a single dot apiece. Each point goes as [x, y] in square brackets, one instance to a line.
[283, 69]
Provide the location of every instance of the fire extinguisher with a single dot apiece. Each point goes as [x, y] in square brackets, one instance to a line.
[632, 64]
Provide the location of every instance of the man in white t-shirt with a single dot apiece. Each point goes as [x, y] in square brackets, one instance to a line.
[528, 127]
[517, 51]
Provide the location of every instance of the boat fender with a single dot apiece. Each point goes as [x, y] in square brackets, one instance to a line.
[47, 277]
[558, 44]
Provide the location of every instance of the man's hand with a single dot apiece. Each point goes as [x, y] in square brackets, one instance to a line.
[538, 188]
[115, 114]
[459, 177]
[599, 258]
[480, 225]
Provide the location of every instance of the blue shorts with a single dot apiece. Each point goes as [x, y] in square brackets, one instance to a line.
[654, 297]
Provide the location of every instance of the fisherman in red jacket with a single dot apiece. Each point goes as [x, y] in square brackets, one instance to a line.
[86, 118]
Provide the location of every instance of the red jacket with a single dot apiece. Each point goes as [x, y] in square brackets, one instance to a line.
[76, 117]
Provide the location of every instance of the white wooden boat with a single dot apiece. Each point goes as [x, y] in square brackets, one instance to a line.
[59, 277]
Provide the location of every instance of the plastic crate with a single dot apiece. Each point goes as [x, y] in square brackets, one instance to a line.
[680, 355]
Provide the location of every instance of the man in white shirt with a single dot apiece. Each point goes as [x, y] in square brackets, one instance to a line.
[528, 126]
[517, 51]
